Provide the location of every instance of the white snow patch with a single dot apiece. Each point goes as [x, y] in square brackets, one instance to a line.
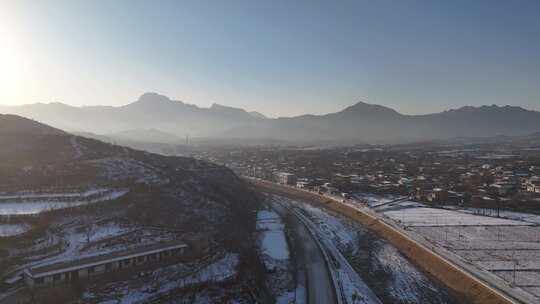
[219, 271]
[273, 240]
[76, 240]
[423, 216]
[16, 207]
[13, 229]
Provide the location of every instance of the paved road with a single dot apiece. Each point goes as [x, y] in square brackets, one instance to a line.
[319, 282]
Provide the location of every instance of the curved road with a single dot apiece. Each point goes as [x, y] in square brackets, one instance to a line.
[319, 282]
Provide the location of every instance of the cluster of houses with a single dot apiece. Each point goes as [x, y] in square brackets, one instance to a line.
[434, 175]
[477, 187]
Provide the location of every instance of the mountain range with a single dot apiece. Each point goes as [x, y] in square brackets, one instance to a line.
[154, 117]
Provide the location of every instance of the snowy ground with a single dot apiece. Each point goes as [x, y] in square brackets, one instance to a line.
[423, 216]
[508, 246]
[375, 263]
[373, 199]
[28, 195]
[26, 204]
[275, 255]
[13, 229]
[379, 265]
[77, 242]
[273, 240]
[519, 216]
[164, 281]
[116, 168]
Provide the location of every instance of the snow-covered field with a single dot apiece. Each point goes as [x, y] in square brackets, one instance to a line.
[28, 204]
[76, 240]
[496, 244]
[423, 216]
[166, 280]
[27, 195]
[13, 229]
[519, 216]
[499, 249]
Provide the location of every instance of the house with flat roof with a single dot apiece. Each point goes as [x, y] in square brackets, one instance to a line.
[285, 178]
[89, 267]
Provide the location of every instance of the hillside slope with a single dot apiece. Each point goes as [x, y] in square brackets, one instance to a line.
[184, 192]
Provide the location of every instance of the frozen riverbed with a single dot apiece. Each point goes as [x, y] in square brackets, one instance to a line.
[273, 240]
[276, 256]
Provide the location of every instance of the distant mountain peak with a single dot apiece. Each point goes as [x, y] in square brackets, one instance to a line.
[258, 115]
[488, 108]
[217, 106]
[151, 97]
[226, 109]
[362, 108]
[364, 105]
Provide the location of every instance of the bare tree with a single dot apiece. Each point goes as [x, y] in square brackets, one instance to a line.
[88, 232]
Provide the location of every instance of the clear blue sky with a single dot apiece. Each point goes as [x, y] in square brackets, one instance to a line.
[278, 57]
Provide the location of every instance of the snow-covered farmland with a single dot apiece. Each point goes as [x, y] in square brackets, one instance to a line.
[28, 195]
[505, 243]
[33, 203]
[498, 249]
[423, 216]
[519, 216]
[13, 229]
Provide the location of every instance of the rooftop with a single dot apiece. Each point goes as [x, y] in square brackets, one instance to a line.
[61, 267]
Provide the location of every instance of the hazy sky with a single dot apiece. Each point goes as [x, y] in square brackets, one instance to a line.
[276, 57]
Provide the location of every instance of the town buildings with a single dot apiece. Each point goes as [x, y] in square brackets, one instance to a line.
[285, 178]
[446, 173]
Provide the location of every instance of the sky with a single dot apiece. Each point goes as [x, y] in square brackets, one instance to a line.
[281, 58]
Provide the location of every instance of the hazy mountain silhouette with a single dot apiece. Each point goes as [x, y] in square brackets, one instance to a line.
[361, 122]
[257, 115]
[150, 111]
[16, 125]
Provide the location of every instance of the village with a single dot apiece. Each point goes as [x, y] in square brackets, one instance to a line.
[473, 175]
[477, 207]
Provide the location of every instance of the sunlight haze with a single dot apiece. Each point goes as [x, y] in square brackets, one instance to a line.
[278, 58]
